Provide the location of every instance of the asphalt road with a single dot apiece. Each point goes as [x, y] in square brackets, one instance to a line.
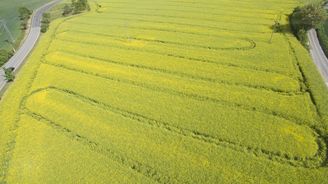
[18, 58]
[318, 56]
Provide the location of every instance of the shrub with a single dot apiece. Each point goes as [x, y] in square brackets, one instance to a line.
[305, 18]
[67, 10]
[24, 15]
[80, 6]
[45, 22]
[323, 37]
[4, 56]
[9, 74]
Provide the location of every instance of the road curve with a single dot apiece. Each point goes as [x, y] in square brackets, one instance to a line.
[34, 33]
[318, 55]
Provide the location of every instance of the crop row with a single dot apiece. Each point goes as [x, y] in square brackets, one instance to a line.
[138, 48]
[172, 35]
[127, 18]
[227, 11]
[118, 157]
[178, 22]
[211, 18]
[243, 44]
[71, 99]
[154, 103]
[251, 57]
[190, 84]
[227, 5]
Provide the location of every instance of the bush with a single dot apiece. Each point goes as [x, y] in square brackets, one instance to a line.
[45, 22]
[5, 56]
[24, 15]
[67, 10]
[323, 37]
[9, 74]
[302, 37]
[305, 18]
[80, 6]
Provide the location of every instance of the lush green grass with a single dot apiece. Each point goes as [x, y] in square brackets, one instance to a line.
[168, 92]
[322, 32]
[9, 13]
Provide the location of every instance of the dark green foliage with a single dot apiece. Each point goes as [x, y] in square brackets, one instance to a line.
[305, 18]
[67, 10]
[24, 15]
[323, 37]
[308, 17]
[4, 56]
[9, 74]
[45, 22]
[302, 37]
[80, 6]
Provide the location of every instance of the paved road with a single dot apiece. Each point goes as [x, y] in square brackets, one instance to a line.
[18, 59]
[318, 55]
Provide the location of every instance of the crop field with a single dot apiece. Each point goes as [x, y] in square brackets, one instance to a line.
[9, 13]
[176, 91]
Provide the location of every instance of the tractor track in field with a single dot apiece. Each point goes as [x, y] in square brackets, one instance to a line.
[185, 75]
[194, 10]
[201, 6]
[251, 45]
[175, 18]
[189, 59]
[114, 155]
[16, 61]
[196, 97]
[191, 25]
[283, 158]
[146, 170]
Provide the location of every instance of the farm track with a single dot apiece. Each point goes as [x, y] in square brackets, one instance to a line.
[317, 161]
[282, 158]
[197, 97]
[171, 22]
[201, 5]
[193, 9]
[170, 30]
[252, 44]
[190, 59]
[185, 75]
[134, 165]
[16, 62]
[151, 14]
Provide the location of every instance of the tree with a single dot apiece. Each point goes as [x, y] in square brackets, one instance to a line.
[9, 74]
[24, 13]
[4, 56]
[67, 10]
[80, 6]
[308, 17]
[45, 22]
[276, 28]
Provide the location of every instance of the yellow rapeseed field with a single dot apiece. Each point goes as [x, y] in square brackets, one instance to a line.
[176, 91]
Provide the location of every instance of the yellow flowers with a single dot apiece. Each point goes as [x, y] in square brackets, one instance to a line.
[166, 92]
